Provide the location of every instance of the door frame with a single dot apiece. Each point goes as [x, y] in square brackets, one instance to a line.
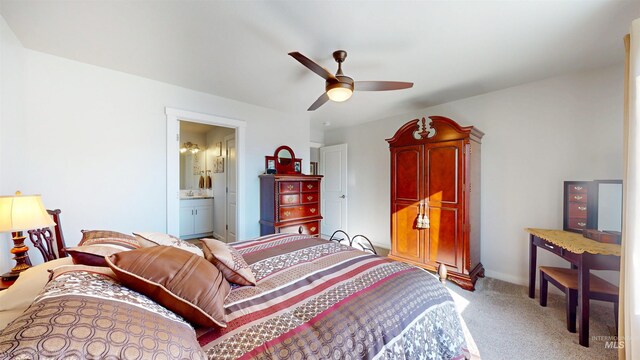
[174, 116]
[226, 184]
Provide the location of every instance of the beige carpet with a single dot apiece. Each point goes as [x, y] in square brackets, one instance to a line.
[507, 324]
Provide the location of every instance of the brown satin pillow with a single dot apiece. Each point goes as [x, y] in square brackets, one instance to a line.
[181, 281]
[92, 255]
[229, 261]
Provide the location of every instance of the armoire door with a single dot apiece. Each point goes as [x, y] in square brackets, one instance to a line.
[406, 183]
[443, 189]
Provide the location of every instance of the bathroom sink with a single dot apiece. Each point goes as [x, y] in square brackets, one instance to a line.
[186, 197]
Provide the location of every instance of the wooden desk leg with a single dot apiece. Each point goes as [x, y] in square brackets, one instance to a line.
[533, 254]
[583, 302]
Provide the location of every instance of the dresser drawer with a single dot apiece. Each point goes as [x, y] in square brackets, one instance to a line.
[288, 187]
[310, 228]
[578, 198]
[309, 186]
[578, 210]
[578, 223]
[298, 212]
[577, 189]
[309, 198]
[290, 199]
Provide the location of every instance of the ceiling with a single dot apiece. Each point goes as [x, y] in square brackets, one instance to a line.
[196, 128]
[238, 49]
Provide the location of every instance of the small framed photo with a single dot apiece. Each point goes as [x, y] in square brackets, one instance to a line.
[219, 166]
[297, 167]
[269, 165]
[313, 167]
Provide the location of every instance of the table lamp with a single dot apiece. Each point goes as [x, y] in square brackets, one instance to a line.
[19, 213]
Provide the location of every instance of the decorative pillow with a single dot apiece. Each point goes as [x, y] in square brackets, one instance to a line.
[92, 255]
[181, 281]
[83, 314]
[229, 261]
[148, 239]
[114, 238]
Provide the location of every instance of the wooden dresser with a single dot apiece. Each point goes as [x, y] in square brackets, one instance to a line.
[290, 204]
[436, 163]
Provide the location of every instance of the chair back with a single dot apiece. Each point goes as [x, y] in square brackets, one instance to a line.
[43, 239]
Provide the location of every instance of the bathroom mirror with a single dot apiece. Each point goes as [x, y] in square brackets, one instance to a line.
[192, 166]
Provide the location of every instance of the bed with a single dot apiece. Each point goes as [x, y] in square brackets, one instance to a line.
[313, 299]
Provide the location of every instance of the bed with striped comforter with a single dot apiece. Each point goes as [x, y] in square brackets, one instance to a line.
[317, 299]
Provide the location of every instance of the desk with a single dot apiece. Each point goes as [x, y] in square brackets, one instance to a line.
[583, 254]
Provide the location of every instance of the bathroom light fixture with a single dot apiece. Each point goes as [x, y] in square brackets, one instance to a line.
[188, 146]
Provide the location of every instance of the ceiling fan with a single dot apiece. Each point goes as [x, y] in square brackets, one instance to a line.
[340, 87]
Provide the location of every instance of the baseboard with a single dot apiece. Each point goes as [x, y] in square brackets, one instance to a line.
[507, 277]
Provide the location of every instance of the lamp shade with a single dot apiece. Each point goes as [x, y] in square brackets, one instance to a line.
[23, 212]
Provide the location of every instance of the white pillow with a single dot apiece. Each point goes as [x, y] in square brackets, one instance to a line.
[16, 299]
[148, 239]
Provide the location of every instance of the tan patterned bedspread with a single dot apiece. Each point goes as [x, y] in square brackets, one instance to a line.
[84, 315]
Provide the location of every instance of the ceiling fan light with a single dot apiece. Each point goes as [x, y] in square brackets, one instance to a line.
[339, 94]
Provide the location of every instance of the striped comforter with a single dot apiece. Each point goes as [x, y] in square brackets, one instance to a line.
[317, 299]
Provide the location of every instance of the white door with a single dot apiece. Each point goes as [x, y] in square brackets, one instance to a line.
[230, 143]
[333, 165]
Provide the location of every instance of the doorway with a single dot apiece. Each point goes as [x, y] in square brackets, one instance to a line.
[333, 165]
[215, 165]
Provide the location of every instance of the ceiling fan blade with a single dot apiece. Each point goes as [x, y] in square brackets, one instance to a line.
[321, 100]
[312, 65]
[381, 85]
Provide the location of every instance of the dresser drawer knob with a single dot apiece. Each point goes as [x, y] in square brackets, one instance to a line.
[287, 213]
[578, 187]
[309, 197]
[313, 229]
[581, 224]
[290, 187]
[578, 197]
[582, 208]
[313, 210]
[310, 186]
[290, 200]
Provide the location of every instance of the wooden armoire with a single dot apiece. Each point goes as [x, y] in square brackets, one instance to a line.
[435, 197]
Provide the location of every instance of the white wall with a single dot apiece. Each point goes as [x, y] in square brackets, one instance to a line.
[93, 143]
[537, 135]
[12, 72]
